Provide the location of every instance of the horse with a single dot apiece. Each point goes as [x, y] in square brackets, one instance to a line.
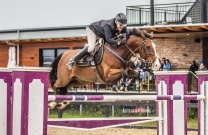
[115, 59]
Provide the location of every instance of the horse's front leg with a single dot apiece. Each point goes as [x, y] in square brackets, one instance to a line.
[59, 105]
[113, 76]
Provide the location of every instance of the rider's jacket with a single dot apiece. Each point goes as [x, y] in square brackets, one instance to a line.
[107, 30]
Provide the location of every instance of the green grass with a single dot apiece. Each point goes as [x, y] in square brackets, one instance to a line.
[98, 112]
[192, 123]
[148, 124]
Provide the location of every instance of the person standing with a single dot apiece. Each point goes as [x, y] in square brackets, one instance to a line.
[193, 67]
[97, 86]
[192, 70]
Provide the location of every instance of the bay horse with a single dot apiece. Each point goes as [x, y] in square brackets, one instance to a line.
[109, 69]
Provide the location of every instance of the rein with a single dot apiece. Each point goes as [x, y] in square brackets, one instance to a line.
[138, 57]
[117, 55]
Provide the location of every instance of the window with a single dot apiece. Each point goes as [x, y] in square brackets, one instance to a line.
[76, 48]
[48, 55]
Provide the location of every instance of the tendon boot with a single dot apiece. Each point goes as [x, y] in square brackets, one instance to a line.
[77, 57]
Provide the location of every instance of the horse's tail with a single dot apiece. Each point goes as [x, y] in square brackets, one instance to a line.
[53, 73]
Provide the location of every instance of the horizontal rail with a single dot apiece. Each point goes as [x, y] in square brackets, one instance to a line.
[121, 98]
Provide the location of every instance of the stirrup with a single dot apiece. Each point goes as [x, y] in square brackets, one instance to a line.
[70, 64]
[71, 61]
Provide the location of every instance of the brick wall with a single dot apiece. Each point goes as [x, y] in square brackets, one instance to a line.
[174, 49]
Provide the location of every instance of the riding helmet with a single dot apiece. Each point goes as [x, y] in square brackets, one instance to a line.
[121, 18]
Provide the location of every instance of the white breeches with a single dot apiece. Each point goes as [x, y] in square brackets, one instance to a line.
[91, 38]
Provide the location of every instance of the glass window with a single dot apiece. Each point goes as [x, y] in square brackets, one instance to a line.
[60, 51]
[48, 57]
[76, 48]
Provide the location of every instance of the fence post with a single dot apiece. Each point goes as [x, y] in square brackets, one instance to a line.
[30, 98]
[202, 105]
[172, 112]
[5, 100]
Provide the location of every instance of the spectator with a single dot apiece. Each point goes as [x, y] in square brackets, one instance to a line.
[202, 66]
[139, 65]
[97, 86]
[162, 63]
[193, 67]
[167, 65]
[145, 71]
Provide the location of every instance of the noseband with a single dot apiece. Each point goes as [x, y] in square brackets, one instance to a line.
[145, 51]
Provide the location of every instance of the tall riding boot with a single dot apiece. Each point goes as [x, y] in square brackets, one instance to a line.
[77, 57]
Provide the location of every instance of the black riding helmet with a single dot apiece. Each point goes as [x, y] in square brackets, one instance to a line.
[121, 19]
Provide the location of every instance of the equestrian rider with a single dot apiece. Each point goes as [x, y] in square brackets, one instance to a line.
[106, 29]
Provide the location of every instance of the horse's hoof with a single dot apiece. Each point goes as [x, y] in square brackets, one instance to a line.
[66, 102]
[121, 88]
[52, 105]
[114, 88]
[62, 105]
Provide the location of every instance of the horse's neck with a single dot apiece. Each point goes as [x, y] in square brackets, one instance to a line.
[123, 52]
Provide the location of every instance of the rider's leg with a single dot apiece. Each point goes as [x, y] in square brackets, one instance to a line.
[91, 37]
[77, 57]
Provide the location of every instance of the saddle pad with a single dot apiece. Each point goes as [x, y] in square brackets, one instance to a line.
[97, 59]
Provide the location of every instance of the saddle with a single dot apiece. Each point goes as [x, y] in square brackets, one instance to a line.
[93, 58]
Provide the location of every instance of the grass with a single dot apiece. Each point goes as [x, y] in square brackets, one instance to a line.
[93, 112]
[192, 123]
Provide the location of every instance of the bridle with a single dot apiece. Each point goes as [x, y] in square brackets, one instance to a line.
[144, 49]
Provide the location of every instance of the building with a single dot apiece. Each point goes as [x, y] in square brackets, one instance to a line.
[41, 30]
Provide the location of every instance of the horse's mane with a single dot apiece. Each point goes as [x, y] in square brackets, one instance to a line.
[139, 32]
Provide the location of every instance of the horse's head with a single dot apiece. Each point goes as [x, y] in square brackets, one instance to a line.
[143, 43]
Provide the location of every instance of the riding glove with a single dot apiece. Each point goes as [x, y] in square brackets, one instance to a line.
[122, 42]
[121, 36]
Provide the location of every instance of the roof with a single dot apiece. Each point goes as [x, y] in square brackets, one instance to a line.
[181, 30]
[77, 33]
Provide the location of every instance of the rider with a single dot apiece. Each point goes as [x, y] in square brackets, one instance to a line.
[106, 29]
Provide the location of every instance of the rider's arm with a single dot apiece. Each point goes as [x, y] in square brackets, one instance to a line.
[109, 36]
[125, 31]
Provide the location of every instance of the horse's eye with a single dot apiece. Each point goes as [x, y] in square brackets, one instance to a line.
[148, 47]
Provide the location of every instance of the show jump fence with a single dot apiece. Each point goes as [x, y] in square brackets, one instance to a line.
[24, 98]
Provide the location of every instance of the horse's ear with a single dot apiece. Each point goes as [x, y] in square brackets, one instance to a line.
[142, 34]
[151, 34]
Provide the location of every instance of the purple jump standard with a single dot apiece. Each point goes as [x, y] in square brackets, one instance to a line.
[5, 100]
[30, 97]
